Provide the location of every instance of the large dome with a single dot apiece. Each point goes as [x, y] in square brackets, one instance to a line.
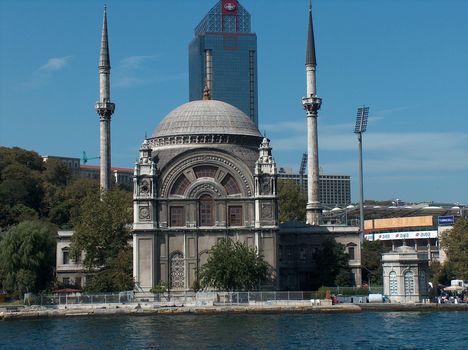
[206, 117]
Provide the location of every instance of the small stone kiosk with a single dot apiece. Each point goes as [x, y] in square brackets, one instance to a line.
[405, 275]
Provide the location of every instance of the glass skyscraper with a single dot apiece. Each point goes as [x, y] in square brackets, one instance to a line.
[223, 57]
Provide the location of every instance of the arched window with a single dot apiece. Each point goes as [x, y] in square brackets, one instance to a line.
[393, 283]
[177, 271]
[205, 171]
[206, 210]
[230, 185]
[65, 256]
[351, 247]
[409, 283]
[180, 185]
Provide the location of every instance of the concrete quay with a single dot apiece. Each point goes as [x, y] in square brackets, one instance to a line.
[153, 309]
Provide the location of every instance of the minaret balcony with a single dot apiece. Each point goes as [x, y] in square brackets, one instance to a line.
[105, 108]
[312, 104]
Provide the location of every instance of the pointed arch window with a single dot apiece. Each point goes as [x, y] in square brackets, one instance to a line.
[180, 185]
[230, 184]
[206, 216]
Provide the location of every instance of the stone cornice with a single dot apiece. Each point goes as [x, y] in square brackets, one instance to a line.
[165, 141]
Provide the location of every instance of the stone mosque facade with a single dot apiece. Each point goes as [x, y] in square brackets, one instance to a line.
[206, 173]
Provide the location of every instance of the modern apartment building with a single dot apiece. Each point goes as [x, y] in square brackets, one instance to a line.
[334, 190]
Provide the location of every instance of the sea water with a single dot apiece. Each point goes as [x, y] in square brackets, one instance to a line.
[367, 330]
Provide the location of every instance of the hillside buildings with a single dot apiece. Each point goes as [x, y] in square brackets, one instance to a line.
[119, 176]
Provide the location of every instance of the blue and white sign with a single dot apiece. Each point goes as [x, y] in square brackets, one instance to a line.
[445, 220]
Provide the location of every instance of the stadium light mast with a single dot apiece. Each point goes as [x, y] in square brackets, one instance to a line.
[359, 129]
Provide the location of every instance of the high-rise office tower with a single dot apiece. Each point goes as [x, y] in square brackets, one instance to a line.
[223, 58]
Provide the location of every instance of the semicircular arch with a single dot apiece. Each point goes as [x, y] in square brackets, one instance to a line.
[227, 164]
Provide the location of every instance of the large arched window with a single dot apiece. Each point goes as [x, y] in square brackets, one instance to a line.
[409, 283]
[206, 210]
[177, 271]
[180, 185]
[393, 283]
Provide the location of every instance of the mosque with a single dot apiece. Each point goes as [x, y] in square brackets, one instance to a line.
[207, 173]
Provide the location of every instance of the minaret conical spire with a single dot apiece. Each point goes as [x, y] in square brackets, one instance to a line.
[104, 59]
[310, 53]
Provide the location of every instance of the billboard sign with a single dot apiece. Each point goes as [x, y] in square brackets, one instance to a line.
[445, 220]
[389, 236]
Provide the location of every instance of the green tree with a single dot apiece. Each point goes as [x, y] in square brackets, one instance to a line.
[116, 276]
[102, 232]
[331, 265]
[292, 201]
[65, 213]
[27, 257]
[455, 244]
[233, 266]
[17, 155]
[56, 173]
[371, 260]
[441, 274]
[20, 185]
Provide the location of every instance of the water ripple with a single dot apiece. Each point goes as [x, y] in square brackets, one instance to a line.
[390, 330]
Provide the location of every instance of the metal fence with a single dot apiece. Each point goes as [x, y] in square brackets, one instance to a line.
[78, 298]
[198, 298]
[239, 298]
[350, 291]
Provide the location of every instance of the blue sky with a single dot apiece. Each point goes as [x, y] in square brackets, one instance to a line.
[406, 59]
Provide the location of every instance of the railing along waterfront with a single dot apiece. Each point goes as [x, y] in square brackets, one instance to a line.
[274, 297]
[79, 298]
[197, 298]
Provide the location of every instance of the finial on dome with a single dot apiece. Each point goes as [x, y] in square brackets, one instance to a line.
[206, 93]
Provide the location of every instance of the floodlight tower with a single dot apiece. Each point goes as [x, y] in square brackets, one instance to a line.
[359, 129]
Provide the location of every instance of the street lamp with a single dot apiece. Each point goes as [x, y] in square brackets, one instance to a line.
[359, 129]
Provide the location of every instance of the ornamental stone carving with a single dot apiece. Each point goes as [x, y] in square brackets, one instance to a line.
[177, 271]
[145, 187]
[211, 187]
[267, 211]
[144, 214]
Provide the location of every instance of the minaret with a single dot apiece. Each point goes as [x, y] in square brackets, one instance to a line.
[312, 104]
[105, 108]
